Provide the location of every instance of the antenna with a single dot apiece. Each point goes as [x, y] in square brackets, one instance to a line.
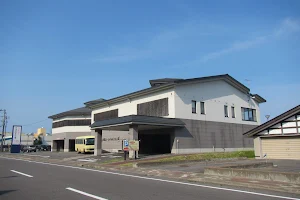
[267, 116]
[248, 81]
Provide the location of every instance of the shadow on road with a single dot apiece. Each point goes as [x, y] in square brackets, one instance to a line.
[8, 177]
[6, 191]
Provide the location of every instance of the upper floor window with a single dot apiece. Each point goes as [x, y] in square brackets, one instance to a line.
[249, 114]
[194, 106]
[226, 111]
[232, 112]
[156, 108]
[202, 108]
[78, 122]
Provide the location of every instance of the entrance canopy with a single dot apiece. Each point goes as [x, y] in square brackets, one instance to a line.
[143, 122]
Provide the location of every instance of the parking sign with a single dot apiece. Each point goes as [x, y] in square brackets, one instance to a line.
[125, 145]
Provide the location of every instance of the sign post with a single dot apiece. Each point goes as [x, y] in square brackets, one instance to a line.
[16, 139]
[125, 148]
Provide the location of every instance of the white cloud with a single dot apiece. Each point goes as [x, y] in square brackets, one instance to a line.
[287, 26]
[238, 46]
[166, 41]
[173, 40]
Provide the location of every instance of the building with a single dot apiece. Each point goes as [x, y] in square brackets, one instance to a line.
[66, 126]
[27, 139]
[181, 115]
[278, 138]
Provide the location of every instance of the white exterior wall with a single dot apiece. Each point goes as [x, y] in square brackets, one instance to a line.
[65, 129]
[130, 107]
[215, 94]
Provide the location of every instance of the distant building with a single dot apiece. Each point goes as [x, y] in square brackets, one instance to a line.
[27, 139]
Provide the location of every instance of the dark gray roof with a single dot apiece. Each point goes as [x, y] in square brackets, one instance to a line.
[139, 119]
[258, 98]
[93, 102]
[170, 83]
[84, 111]
[157, 82]
[274, 121]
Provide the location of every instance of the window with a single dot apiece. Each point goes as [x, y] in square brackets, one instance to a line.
[79, 122]
[90, 141]
[202, 108]
[156, 108]
[226, 111]
[79, 141]
[232, 112]
[249, 114]
[106, 115]
[194, 103]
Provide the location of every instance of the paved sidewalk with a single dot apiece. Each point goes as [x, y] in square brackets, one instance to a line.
[178, 175]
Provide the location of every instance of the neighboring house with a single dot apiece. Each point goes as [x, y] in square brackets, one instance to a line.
[278, 138]
[182, 115]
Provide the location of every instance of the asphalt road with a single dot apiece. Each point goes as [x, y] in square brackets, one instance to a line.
[49, 181]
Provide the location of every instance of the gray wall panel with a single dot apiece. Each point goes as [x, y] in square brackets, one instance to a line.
[205, 134]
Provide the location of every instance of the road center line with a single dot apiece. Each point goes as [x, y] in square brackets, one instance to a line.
[161, 180]
[86, 194]
[21, 173]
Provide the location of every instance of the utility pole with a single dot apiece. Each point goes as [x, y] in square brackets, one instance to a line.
[3, 127]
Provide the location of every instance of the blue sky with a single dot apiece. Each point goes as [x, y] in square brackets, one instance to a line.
[55, 55]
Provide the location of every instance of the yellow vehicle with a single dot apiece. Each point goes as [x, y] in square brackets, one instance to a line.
[85, 144]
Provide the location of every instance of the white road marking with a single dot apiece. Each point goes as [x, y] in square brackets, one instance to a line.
[86, 194]
[87, 160]
[38, 156]
[21, 173]
[161, 180]
[115, 156]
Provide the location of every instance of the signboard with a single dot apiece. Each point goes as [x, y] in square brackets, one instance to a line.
[125, 145]
[16, 135]
[134, 145]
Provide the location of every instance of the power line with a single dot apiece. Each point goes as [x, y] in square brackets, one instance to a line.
[35, 122]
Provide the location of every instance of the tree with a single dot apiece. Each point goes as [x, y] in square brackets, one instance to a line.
[38, 141]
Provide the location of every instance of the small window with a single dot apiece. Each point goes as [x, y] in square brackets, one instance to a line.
[202, 108]
[232, 112]
[194, 103]
[226, 111]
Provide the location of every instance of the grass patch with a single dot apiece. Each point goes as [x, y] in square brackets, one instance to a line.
[205, 156]
[114, 160]
[127, 165]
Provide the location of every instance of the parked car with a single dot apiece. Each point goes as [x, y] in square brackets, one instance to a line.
[46, 147]
[30, 148]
